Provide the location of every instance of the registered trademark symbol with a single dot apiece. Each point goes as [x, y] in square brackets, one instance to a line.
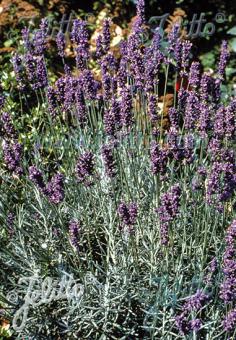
[220, 18]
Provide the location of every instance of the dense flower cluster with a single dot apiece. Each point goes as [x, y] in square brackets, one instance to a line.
[7, 127]
[159, 158]
[12, 153]
[36, 176]
[53, 190]
[194, 303]
[108, 158]
[228, 287]
[85, 167]
[168, 210]
[74, 231]
[128, 214]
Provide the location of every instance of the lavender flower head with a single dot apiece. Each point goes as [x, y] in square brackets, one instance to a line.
[159, 159]
[173, 38]
[26, 39]
[191, 114]
[224, 57]
[126, 108]
[74, 231]
[174, 117]
[228, 287]
[229, 322]
[61, 44]
[194, 74]
[41, 73]
[52, 101]
[128, 214]
[17, 63]
[55, 189]
[36, 176]
[140, 19]
[153, 109]
[39, 39]
[2, 98]
[168, 210]
[79, 36]
[7, 125]
[196, 301]
[12, 153]
[106, 35]
[108, 158]
[88, 84]
[112, 119]
[99, 47]
[85, 168]
[186, 49]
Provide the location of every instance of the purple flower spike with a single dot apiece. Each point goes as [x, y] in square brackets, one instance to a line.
[173, 38]
[18, 70]
[182, 324]
[85, 168]
[41, 73]
[55, 189]
[80, 37]
[159, 159]
[61, 44]
[126, 108]
[12, 153]
[39, 39]
[52, 101]
[112, 119]
[186, 49]
[195, 324]
[99, 47]
[26, 39]
[229, 322]
[168, 210]
[108, 158]
[224, 57]
[128, 214]
[2, 98]
[88, 84]
[106, 35]
[228, 287]
[192, 111]
[194, 74]
[7, 125]
[140, 19]
[174, 117]
[74, 231]
[153, 109]
[196, 301]
[36, 177]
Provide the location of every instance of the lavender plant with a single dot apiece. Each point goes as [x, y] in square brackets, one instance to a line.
[142, 214]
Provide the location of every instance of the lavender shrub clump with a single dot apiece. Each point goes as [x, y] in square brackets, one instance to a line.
[138, 143]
